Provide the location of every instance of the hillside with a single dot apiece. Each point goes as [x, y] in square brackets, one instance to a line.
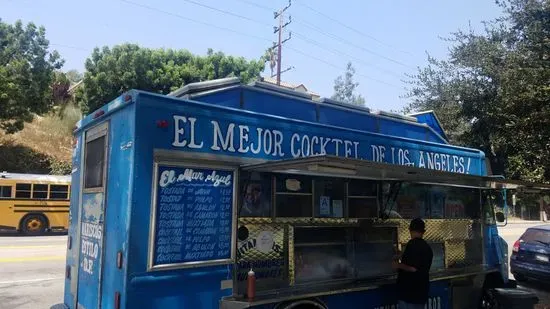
[44, 146]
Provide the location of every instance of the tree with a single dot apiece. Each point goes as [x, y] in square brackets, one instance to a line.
[345, 86]
[74, 76]
[26, 74]
[494, 91]
[110, 72]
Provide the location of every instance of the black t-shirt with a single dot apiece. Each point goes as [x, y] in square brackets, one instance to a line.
[413, 287]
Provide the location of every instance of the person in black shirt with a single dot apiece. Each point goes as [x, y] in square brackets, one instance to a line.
[413, 280]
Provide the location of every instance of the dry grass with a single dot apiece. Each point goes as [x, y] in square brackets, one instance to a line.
[50, 135]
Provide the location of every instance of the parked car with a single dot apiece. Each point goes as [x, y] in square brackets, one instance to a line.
[531, 255]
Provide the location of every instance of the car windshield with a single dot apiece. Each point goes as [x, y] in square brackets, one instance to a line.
[536, 236]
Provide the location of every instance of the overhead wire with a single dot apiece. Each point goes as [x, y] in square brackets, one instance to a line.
[338, 38]
[299, 2]
[341, 53]
[335, 37]
[228, 13]
[302, 37]
[245, 34]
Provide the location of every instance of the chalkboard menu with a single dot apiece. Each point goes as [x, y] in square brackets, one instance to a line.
[193, 216]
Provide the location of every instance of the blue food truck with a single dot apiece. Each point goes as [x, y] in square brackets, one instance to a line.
[177, 197]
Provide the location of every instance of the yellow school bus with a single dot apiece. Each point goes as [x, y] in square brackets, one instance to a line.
[34, 204]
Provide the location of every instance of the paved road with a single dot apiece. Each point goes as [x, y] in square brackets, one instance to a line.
[31, 271]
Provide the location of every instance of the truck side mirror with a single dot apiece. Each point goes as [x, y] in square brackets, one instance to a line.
[500, 216]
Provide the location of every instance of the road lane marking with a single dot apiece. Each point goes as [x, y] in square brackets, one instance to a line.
[31, 247]
[30, 280]
[32, 259]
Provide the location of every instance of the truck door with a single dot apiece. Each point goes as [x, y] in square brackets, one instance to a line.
[92, 218]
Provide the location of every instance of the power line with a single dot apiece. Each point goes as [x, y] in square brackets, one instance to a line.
[336, 51]
[194, 20]
[333, 36]
[279, 30]
[258, 5]
[341, 68]
[228, 12]
[249, 35]
[351, 28]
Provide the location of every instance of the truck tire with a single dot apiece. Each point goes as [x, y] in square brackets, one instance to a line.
[508, 298]
[34, 224]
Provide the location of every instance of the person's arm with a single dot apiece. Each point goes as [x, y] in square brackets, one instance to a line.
[402, 266]
[406, 259]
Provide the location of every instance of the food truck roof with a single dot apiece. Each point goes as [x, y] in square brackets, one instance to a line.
[232, 93]
[326, 165]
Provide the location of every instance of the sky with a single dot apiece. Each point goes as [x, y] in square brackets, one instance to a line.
[384, 39]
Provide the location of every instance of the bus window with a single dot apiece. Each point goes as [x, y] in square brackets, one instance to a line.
[94, 163]
[23, 190]
[59, 192]
[40, 191]
[5, 191]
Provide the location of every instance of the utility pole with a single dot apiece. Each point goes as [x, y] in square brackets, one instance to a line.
[280, 42]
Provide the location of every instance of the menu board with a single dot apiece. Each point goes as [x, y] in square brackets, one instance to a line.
[193, 215]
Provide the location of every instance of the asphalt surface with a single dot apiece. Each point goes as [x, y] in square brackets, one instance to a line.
[32, 270]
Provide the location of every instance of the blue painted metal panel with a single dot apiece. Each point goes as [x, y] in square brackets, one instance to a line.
[74, 214]
[168, 288]
[397, 128]
[385, 297]
[382, 298]
[265, 103]
[91, 250]
[227, 98]
[430, 120]
[196, 127]
[346, 119]
[118, 204]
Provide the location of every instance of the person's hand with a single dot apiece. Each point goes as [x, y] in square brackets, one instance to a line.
[395, 264]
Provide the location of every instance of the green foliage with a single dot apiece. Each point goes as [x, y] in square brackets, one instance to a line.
[493, 92]
[74, 76]
[58, 167]
[345, 86]
[110, 72]
[26, 73]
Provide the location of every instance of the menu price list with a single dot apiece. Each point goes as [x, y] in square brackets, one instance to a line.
[193, 215]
